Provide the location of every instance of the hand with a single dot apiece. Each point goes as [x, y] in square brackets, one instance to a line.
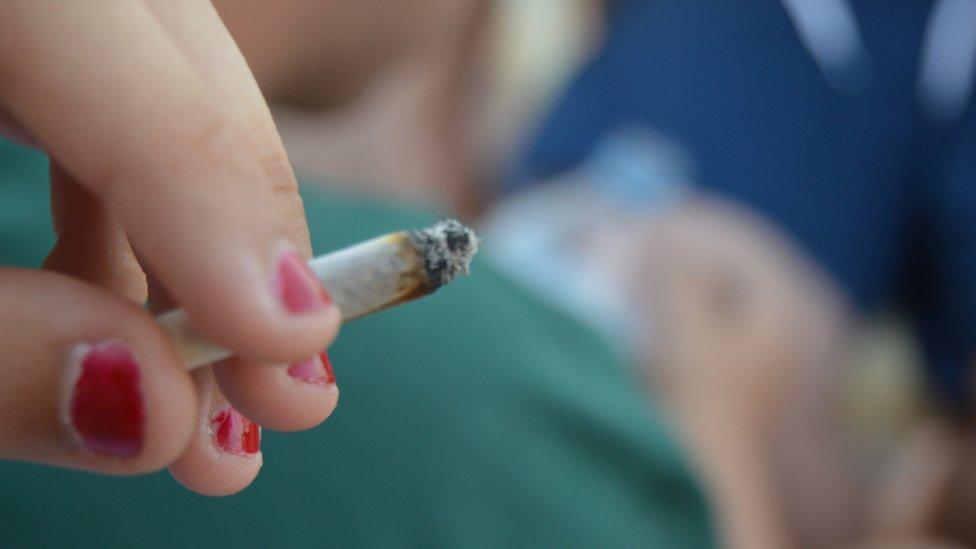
[740, 317]
[159, 138]
[745, 359]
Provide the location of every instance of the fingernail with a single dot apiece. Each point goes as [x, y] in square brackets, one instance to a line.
[297, 287]
[234, 433]
[106, 408]
[317, 369]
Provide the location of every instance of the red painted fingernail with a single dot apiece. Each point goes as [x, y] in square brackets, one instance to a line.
[234, 433]
[106, 404]
[317, 369]
[297, 287]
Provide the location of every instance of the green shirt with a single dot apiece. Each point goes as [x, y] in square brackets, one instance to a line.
[477, 417]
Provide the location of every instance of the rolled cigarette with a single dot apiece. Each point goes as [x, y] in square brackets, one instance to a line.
[362, 279]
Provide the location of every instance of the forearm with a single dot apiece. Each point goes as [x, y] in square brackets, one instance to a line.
[733, 459]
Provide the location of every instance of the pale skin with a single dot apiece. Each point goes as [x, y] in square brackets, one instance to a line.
[158, 138]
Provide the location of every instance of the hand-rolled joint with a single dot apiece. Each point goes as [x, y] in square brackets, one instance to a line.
[362, 279]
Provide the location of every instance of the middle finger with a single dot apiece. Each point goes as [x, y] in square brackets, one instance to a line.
[285, 397]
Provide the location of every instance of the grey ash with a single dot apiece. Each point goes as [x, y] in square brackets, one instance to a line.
[447, 247]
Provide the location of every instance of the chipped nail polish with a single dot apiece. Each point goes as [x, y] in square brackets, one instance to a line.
[297, 287]
[233, 433]
[317, 370]
[330, 376]
[107, 410]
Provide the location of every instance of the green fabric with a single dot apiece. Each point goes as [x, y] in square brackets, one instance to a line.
[477, 417]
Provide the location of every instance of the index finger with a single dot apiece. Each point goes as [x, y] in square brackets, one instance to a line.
[109, 94]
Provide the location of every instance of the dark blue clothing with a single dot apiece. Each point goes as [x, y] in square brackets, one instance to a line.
[882, 198]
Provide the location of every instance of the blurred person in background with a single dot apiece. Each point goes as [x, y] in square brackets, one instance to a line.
[410, 134]
[846, 127]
